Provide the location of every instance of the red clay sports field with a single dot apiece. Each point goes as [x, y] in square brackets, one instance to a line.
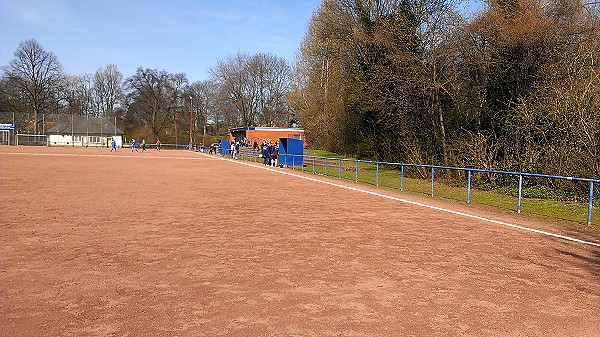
[167, 243]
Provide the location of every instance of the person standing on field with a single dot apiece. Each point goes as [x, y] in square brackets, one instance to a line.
[265, 152]
[113, 145]
[269, 154]
[143, 144]
[236, 152]
[232, 147]
[274, 154]
[158, 145]
[134, 146]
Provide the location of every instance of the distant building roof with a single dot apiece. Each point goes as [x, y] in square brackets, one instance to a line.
[83, 125]
[265, 129]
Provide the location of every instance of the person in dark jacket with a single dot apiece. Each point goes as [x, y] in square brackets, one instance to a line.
[265, 152]
[274, 154]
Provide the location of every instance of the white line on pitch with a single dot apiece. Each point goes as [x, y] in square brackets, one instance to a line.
[129, 155]
[417, 203]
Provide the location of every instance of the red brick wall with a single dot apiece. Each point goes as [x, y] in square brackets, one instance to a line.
[259, 135]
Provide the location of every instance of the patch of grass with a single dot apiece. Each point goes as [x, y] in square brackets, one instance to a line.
[322, 153]
[536, 192]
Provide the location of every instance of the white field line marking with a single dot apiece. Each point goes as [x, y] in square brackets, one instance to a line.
[146, 156]
[417, 203]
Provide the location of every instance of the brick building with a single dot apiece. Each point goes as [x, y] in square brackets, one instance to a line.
[271, 134]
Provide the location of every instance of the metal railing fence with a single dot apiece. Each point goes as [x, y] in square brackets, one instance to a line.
[372, 172]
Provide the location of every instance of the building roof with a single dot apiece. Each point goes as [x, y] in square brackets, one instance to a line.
[83, 125]
[266, 129]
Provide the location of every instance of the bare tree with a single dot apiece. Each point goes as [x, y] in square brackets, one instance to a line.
[376, 76]
[556, 124]
[256, 86]
[157, 98]
[78, 93]
[204, 101]
[36, 77]
[13, 105]
[439, 25]
[316, 95]
[107, 88]
[271, 75]
[531, 82]
[233, 77]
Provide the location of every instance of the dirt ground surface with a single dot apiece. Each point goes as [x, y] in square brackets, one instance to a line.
[94, 243]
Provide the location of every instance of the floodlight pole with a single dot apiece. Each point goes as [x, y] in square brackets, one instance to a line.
[191, 122]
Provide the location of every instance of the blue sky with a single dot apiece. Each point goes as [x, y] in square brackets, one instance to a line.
[178, 36]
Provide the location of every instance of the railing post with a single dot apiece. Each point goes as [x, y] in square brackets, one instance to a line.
[313, 165]
[340, 169]
[293, 162]
[432, 176]
[520, 193]
[591, 199]
[401, 177]
[377, 174]
[469, 187]
[326, 164]
[356, 172]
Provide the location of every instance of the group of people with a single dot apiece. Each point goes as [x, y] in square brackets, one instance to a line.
[269, 152]
[134, 145]
[195, 147]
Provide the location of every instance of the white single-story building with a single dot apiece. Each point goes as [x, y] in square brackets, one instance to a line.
[84, 131]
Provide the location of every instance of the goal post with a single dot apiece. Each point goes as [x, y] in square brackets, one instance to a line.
[5, 137]
[31, 140]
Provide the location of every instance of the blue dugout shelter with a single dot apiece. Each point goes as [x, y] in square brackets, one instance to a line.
[291, 152]
[225, 147]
